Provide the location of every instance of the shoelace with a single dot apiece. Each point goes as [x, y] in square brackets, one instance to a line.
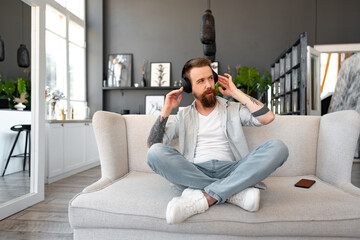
[189, 205]
[237, 197]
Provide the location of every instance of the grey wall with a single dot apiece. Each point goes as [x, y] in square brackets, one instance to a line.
[15, 29]
[94, 52]
[248, 32]
[337, 21]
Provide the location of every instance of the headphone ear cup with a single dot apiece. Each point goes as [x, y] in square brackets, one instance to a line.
[186, 84]
[215, 76]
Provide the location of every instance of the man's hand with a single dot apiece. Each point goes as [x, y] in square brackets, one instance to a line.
[227, 82]
[251, 103]
[171, 102]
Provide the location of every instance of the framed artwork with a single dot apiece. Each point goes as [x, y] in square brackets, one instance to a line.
[119, 70]
[160, 74]
[154, 104]
[215, 67]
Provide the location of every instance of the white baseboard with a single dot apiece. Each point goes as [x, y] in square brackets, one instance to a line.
[72, 172]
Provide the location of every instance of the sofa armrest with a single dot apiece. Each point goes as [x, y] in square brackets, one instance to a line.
[338, 135]
[98, 185]
[111, 139]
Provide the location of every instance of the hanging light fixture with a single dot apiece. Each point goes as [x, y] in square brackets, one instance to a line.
[207, 33]
[23, 58]
[207, 26]
[2, 50]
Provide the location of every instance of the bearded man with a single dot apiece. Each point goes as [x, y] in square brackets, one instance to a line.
[213, 164]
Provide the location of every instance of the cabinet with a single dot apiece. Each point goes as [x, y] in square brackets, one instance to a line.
[71, 148]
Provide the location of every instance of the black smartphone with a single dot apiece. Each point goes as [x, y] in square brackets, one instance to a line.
[305, 183]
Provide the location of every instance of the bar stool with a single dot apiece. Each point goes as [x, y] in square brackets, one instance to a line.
[20, 128]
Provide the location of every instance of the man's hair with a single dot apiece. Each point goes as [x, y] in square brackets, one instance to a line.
[195, 62]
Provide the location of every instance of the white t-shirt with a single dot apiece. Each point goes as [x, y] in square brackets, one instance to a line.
[212, 143]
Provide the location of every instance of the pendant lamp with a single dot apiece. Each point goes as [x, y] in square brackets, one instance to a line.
[207, 34]
[209, 49]
[23, 58]
[207, 28]
[2, 50]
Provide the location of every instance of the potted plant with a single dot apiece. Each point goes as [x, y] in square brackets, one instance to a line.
[21, 87]
[11, 90]
[251, 82]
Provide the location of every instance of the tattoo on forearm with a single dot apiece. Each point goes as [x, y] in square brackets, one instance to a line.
[253, 100]
[157, 131]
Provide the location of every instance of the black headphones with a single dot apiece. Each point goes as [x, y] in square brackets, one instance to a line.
[186, 83]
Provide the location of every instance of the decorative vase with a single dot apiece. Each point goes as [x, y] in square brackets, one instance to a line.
[20, 106]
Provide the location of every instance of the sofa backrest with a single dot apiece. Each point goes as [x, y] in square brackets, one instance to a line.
[299, 133]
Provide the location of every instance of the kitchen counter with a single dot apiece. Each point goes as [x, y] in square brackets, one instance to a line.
[70, 121]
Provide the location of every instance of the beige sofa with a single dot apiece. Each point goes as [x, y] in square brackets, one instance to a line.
[129, 201]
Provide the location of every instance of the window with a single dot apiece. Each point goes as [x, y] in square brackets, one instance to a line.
[65, 54]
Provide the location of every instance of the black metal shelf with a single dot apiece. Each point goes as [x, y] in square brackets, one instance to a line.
[287, 71]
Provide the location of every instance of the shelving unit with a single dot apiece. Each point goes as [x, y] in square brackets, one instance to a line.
[289, 72]
[132, 99]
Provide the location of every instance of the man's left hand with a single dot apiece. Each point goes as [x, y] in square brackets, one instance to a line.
[230, 88]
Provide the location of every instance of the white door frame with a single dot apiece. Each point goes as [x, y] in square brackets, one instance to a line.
[313, 90]
[338, 48]
[38, 66]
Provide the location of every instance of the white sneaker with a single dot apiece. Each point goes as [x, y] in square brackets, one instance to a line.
[190, 203]
[248, 199]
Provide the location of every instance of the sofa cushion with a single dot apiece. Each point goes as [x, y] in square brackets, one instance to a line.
[300, 134]
[138, 129]
[139, 200]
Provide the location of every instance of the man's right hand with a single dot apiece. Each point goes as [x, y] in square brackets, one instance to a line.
[171, 102]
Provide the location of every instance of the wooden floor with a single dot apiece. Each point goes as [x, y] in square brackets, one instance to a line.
[49, 219]
[14, 185]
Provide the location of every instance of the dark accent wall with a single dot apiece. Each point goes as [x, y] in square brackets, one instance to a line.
[248, 32]
[15, 29]
[94, 53]
[337, 21]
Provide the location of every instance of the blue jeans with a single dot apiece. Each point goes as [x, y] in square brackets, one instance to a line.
[219, 179]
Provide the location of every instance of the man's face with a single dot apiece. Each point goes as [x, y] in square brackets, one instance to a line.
[203, 85]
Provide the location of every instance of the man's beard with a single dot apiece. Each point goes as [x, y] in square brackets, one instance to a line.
[206, 100]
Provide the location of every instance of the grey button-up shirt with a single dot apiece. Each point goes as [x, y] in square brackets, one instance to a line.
[233, 116]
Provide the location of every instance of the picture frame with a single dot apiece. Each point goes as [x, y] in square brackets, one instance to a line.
[119, 70]
[154, 104]
[160, 74]
[215, 67]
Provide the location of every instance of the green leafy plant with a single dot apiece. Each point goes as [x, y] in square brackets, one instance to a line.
[251, 82]
[8, 88]
[12, 89]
